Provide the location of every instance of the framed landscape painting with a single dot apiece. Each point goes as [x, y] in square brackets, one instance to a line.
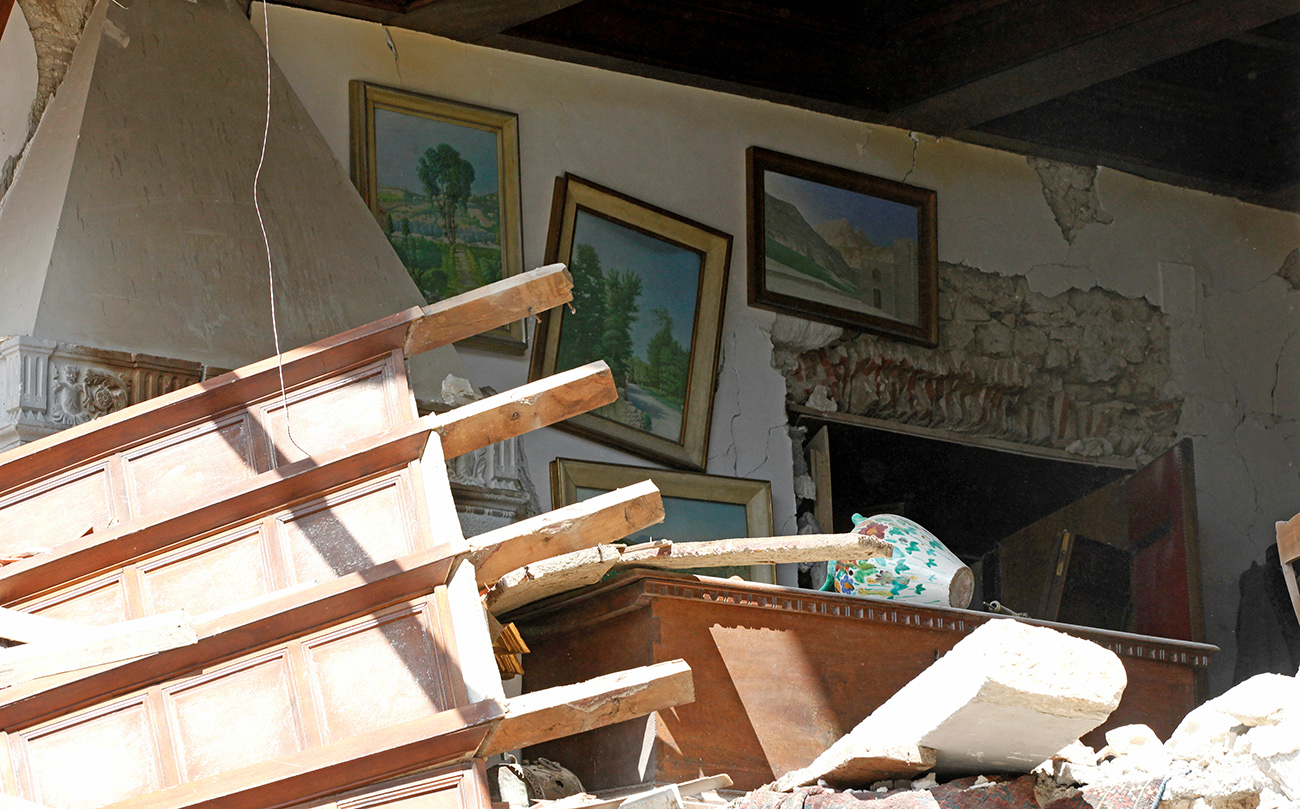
[697, 507]
[442, 180]
[842, 247]
[648, 288]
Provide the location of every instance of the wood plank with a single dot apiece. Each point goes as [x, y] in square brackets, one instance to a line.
[488, 307]
[755, 551]
[443, 738]
[550, 577]
[601, 519]
[524, 409]
[27, 628]
[881, 763]
[565, 710]
[142, 636]
[472, 20]
[228, 633]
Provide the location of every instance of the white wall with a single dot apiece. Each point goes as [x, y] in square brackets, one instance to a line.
[1210, 262]
[18, 79]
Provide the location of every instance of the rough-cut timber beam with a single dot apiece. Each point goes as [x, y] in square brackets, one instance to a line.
[488, 307]
[604, 518]
[1023, 52]
[443, 738]
[756, 551]
[526, 408]
[472, 20]
[485, 422]
[109, 644]
[550, 577]
[554, 713]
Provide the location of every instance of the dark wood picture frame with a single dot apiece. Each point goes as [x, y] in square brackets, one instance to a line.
[871, 288]
[673, 256]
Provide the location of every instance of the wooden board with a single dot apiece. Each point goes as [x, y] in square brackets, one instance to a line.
[761, 654]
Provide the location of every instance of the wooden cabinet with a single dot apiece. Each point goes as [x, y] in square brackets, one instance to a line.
[780, 673]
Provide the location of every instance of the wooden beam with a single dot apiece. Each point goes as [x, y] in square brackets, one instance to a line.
[755, 551]
[605, 518]
[27, 628]
[472, 20]
[442, 738]
[109, 644]
[524, 409]
[488, 307]
[554, 713]
[1021, 53]
[550, 577]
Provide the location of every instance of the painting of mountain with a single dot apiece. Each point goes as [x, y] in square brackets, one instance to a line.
[839, 247]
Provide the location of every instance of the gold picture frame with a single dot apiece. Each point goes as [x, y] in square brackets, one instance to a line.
[409, 158]
[697, 506]
[649, 288]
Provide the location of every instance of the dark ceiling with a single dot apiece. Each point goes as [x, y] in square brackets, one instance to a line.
[1199, 93]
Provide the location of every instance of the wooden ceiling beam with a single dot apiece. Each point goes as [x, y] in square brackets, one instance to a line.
[1046, 49]
[473, 20]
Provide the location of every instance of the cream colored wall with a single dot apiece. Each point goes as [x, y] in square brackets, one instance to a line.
[17, 83]
[1211, 263]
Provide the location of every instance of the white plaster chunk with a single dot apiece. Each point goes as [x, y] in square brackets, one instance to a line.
[1204, 733]
[1228, 783]
[1261, 700]
[798, 335]
[820, 399]
[1275, 749]
[1005, 698]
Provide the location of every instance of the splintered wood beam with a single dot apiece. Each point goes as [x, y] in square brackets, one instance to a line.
[488, 307]
[27, 628]
[756, 551]
[549, 577]
[109, 644]
[524, 409]
[443, 738]
[554, 713]
[605, 518]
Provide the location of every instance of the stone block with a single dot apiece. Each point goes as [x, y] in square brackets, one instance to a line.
[1006, 697]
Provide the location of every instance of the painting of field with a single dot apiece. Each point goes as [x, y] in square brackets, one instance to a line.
[635, 300]
[840, 247]
[439, 200]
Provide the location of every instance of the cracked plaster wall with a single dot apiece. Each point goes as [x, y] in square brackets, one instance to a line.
[1210, 264]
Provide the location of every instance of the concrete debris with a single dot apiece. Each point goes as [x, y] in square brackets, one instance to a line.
[1238, 751]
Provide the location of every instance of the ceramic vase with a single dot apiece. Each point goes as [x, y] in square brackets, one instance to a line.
[921, 571]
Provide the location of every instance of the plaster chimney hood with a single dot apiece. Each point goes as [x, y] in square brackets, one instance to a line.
[130, 251]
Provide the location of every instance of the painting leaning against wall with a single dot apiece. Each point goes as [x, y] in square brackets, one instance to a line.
[442, 180]
[647, 299]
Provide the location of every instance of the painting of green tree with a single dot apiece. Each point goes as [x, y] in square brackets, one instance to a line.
[439, 201]
[634, 305]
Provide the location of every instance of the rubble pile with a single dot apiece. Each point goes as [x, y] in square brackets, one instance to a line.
[1238, 751]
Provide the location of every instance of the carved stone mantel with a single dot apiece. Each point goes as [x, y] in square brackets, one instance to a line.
[491, 488]
[47, 386]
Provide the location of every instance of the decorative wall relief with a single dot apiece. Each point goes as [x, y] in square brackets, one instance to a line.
[1084, 371]
[47, 386]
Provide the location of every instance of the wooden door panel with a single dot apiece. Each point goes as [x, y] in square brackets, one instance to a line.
[179, 470]
[348, 532]
[58, 511]
[113, 752]
[98, 603]
[233, 567]
[397, 650]
[238, 716]
[361, 403]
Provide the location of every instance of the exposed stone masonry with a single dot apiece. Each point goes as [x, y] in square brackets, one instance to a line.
[1083, 371]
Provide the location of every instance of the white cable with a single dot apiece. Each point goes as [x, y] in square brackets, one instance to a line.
[270, 273]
